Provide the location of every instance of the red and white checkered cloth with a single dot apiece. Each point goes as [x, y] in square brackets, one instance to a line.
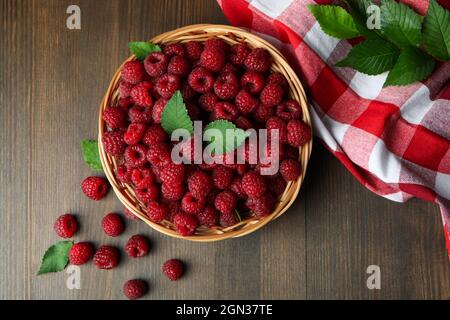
[394, 140]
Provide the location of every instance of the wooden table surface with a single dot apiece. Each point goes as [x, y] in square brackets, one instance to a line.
[52, 80]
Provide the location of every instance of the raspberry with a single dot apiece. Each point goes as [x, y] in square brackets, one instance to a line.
[229, 68]
[137, 246]
[188, 93]
[212, 59]
[253, 82]
[135, 289]
[243, 123]
[66, 226]
[140, 114]
[154, 135]
[192, 205]
[236, 187]
[208, 217]
[215, 43]
[157, 211]
[222, 177]
[185, 223]
[159, 154]
[245, 102]
[141, 94]
[135, 133]
[289, 110]
[228, 219]
[173, 269]
[172, 173]
[261, 206]
[174, 49]
[253, 184]
[201, 80]
[277, 185]
[207, 101]
[225, 110]
[225, 202]
[174, 207]
[139, 174]
[80, 253]
[114, 117]
[299, 133]
[146, 191]
[106, 257]
[158, 108]
[113, 142]
[193, 50]
[226, 86]
[167, 84]
[239, 53]
[258, 60]
[200, 184]
[179, 66]
[290, 169]
[263, 113]
[271, 95]
[94, 188]
[278, 78]
[135, 156]
[112, 225]
[125, 89]
[130, 215]
[125, 103]
[156, 64]
[124, 174]
[133, 72]
[275, 123]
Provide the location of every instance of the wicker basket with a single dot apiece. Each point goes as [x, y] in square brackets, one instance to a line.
[231, 35]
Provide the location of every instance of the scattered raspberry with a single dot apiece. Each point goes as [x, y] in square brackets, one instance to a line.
[261, 206]
[258, 60]
[112, 224]
[188, 93]
[225, 110]
[136, 155]
[80, 253]
[200, 184]
[263, 113]
[275, 123]
[113, 142]
[94, 188]
[207, 101]
[290, 169]
[236, 187]
[172, 192]
[137, 246]
[228, 219]
[125, 89]
[158, 108]
[135, 289]
[289, 110]
[156, 64]
[135, 133]
[208, 217]
[179, 66]
[277, 185]
[193, 50]
[172, 174]
[278, 78]
[146, 191]
[243, 123]
[140, 114]
[174, 49]
[212, 59]
[299, 133]
[124, 174]
[141, 94]
[167, 84]
[130, 215]
[185, 223]
[173, 269]
[139, 174]
[201, 80]
[245, 102]
[222, 177]
[271, 95]
[191, 204]
[226, 86]
[239, 53]
[66, 226]
[106, 257]
[157, 212]
[253, 82]
[253, 184]
[225, 202]
[159, 154]
[133, 72]
[154, 135]
[114, 117]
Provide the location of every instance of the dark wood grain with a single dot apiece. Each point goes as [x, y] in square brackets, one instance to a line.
[52, 80]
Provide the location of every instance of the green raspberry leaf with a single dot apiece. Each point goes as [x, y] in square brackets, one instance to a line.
[226, 144]
[400, 24]
[335, 21]
[436, 31]
[91, 155]
[412, 65]
[56, 257]
[175, 115]
[373, 56]
[142, 49]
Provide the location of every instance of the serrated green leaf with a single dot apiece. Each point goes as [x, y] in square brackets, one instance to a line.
[56, 257]
[175, 115]
[400, 24]
[335, 21]
[90, 154]
[142, 49]
[225, 144]
[371, 57]
[436, 31]
[412, 65]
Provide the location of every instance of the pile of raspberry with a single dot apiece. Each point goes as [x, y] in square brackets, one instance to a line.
[217, 81]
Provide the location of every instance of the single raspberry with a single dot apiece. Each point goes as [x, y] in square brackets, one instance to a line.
[193, 50]
[139, 174]
[80, 253]
[245, 102]
[253, 184]
[243, 123]
[156, 64]
[158, 109]
[216, 43]
[228, 219]
[66, 226]
[222, 177]
[133, 72]
[239, 53]
[157, 211]
[141, 94]
[94, 188]
[191, 204]
[263, 113]
[253, 82]
[207, 101]
[174, 49]
[188, 93]
[146, 191]
[113, 142]
[136, 155]
[179, 66]
[185, 223]
[172, 173]
[172, 192]
[226, 86]
[225, 110]
[125, 89]
[277, 185]
[140, 114]
[106, 257]
[230, 68]
[299, 133]
[125, 103]
[135, 289]
[275, 123]
[124, 174]
[226, 201]
[137, 246]
[212, 59]
[114, 117]
[236, 187]
[289, 110]
[173, 269]
[271, 95]
[201, 80]
[261, 206]
[200, 184]
[130, 215]
[290, 169]
[278, 78]
[258, 60]
[112, 224]
[135, 133]
[159, 154]
[154, 135]
[209, 217]
[167, 84]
